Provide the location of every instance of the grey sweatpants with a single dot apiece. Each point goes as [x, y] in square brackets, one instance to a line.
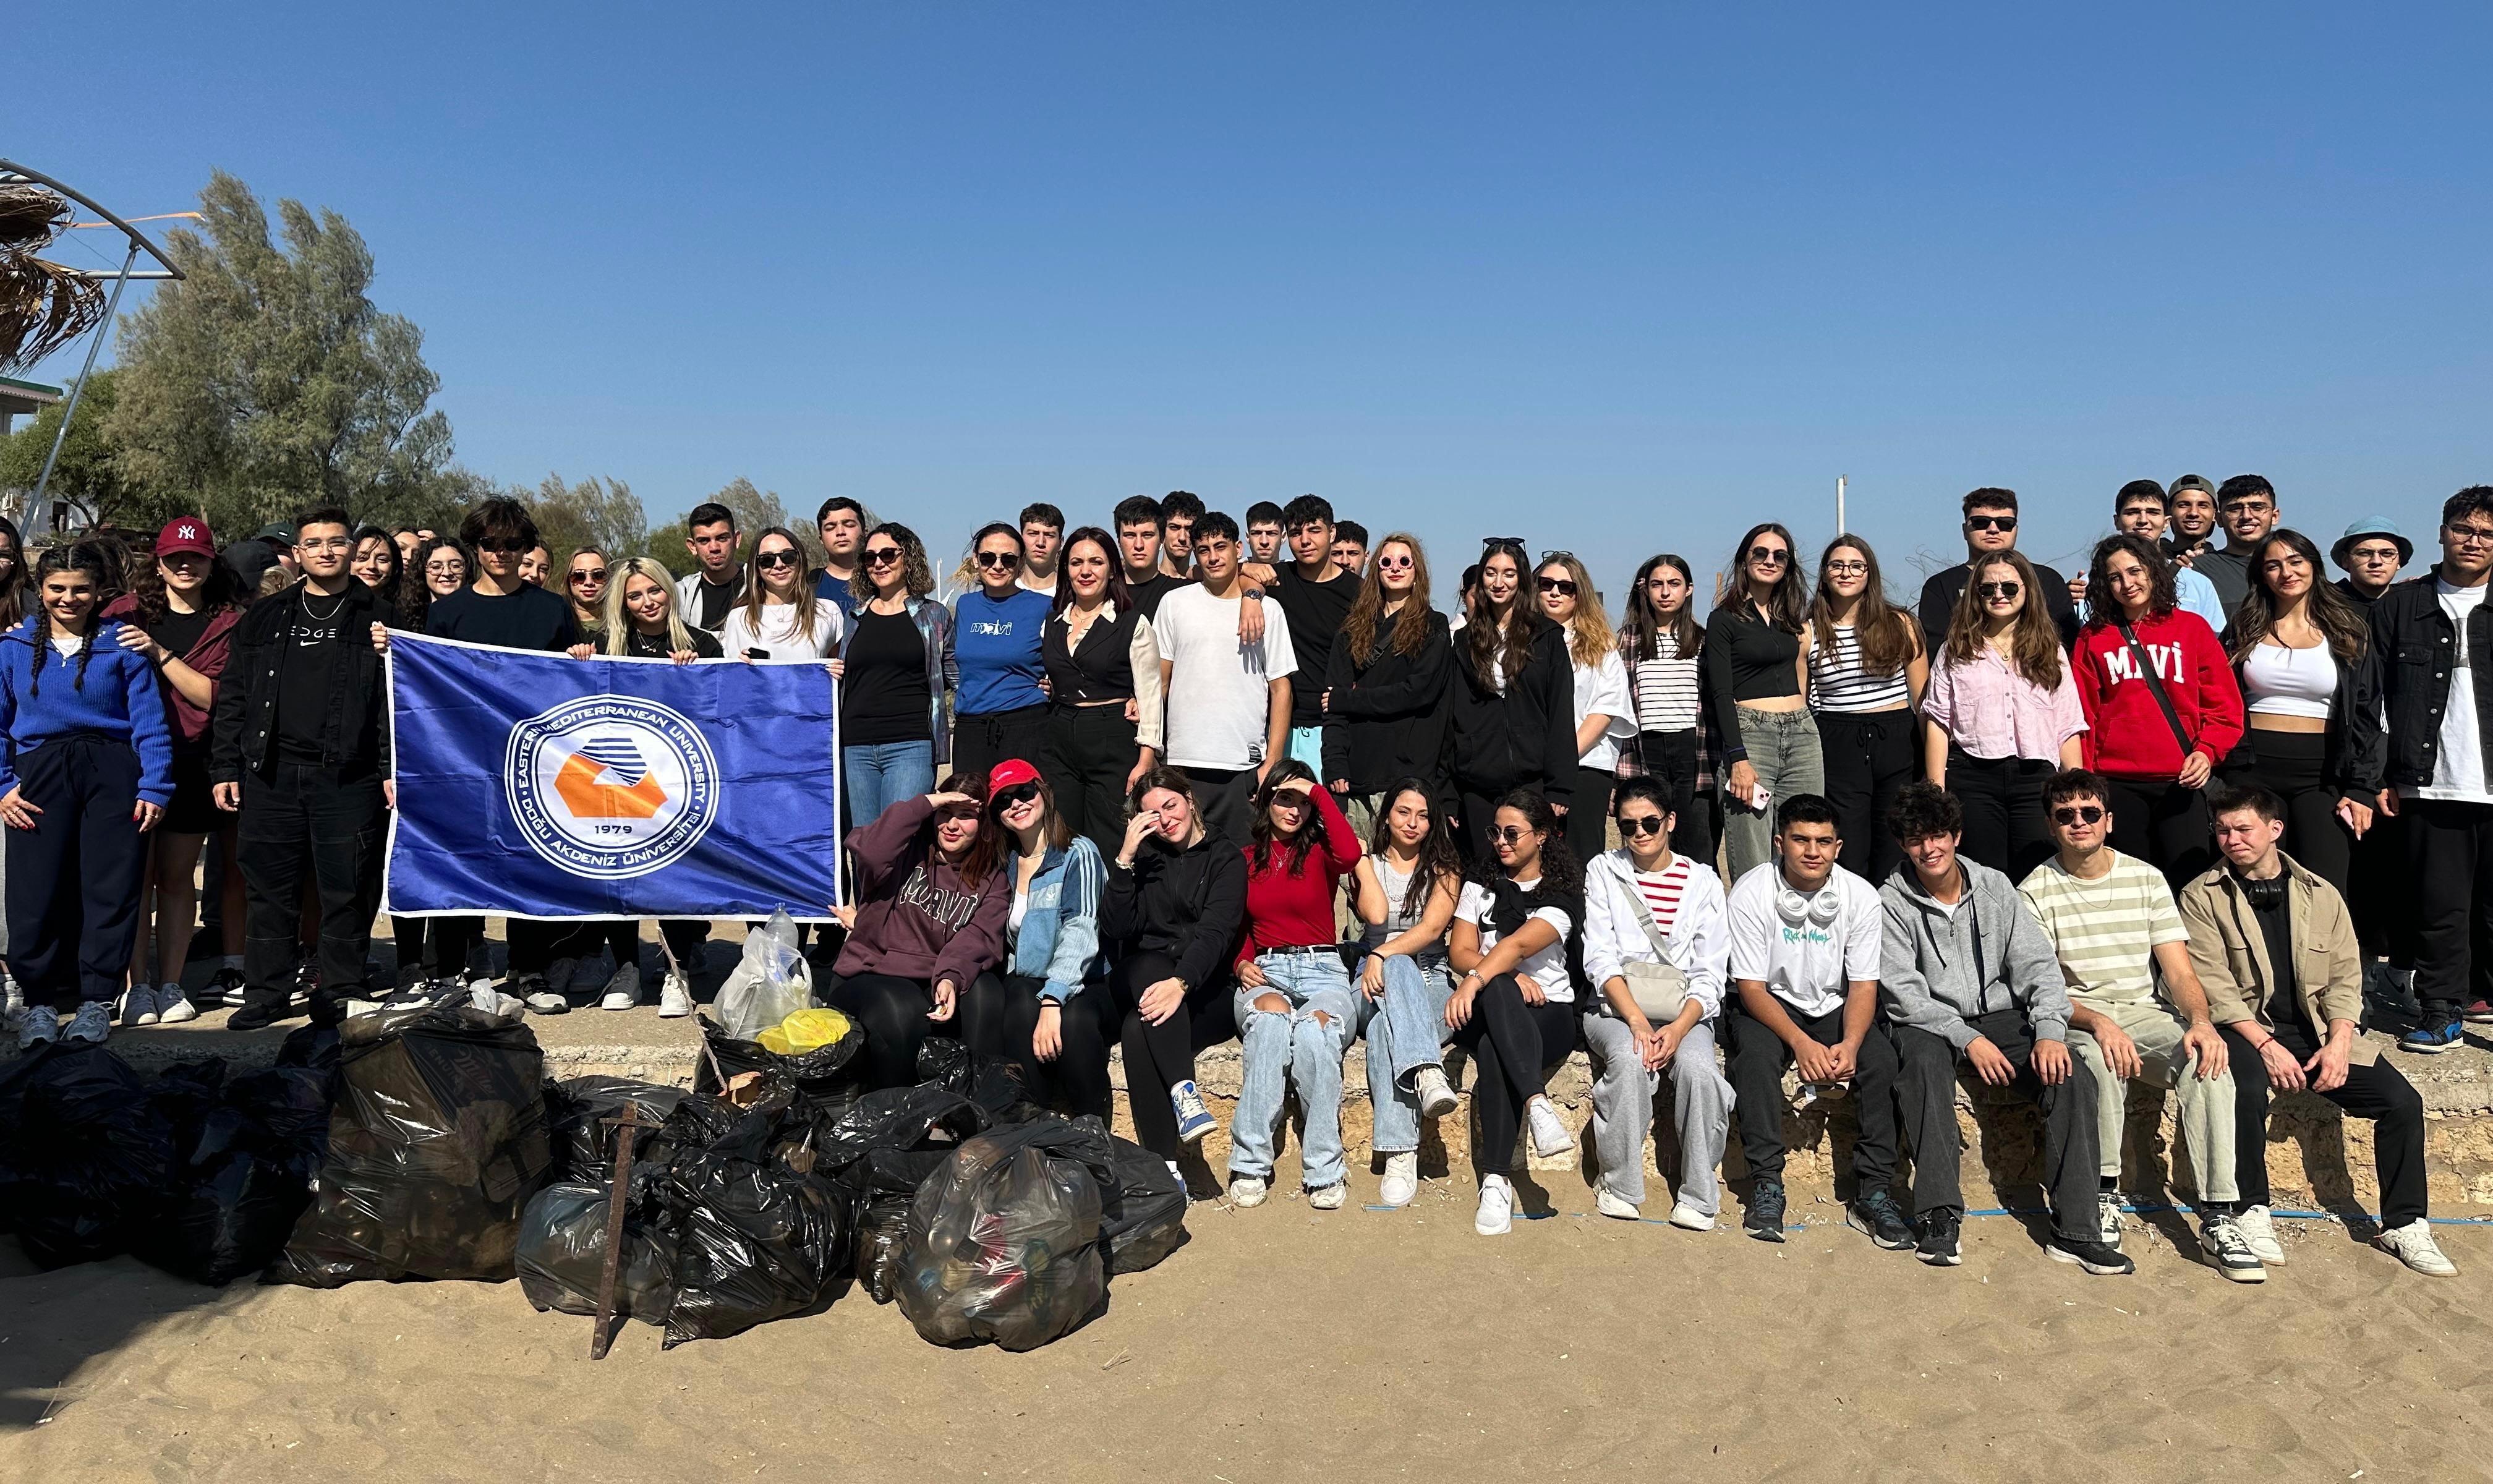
[1623, 1094]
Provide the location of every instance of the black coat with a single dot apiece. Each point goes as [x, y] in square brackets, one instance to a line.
[1190, 904]
[2417, 645]
[1524, 738]
[1387, 719]
[242, 729]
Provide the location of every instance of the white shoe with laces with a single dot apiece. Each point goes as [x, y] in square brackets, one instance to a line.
[2413, 1245]
[2253, 1222]
[93, 1022]
[37, 1026]
[623, 989]
[1496, 1214]
[138, 1004]
[1550, 1135]
[1614, 1205]
[674, 995]
[1436, 1094]
[172, 1006]
[1688, 1218]
[1247, 1192]
[1401, 1184]
[1328, 1197]
[2108, 1218]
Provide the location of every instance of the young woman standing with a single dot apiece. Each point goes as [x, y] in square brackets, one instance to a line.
[86, 767]
[375, 564]
[782, 617]
[1385, 687]
[1866, 675]
[1407, 884]
[896, 672]
[2001, 714]
[2161, 704]
[2303, 654]
[442, 565]
[998, 628]
[1103, 677]
[1757, 665]
[1662, 646]
[1041, 1009]
[1605, 712]
[584, 580]
[1514, 712]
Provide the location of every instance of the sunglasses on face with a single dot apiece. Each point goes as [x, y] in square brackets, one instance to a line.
[1768, 555]
[1393, 563]
[882, 555]
[1991, 590]
[1990, 523]
[1642, 824]
[775, 559]
[589, 577]
[1017, 796]
[993, 561]
[1510, 834]
[1563, 586]
[2072, 813]
[502, 547]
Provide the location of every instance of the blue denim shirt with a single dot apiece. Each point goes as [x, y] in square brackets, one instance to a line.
[1059, 940]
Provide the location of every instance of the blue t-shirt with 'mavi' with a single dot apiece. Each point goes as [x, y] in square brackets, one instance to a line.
[996, 642]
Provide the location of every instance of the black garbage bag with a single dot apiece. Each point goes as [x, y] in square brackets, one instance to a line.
[828, 1077]
[1147, 1222]
[247, 1164]
[1004, 1241]
[990, 1083]
[878, 1154]
[584, 1143]
[437, 1140]
[756, 1239]
[91, 1152]
[563, 1255]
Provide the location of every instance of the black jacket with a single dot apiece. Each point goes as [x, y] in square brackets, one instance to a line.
[242, 730]
[1189, 904]
[1524, 738]
[1387, 719]
[2416, 643]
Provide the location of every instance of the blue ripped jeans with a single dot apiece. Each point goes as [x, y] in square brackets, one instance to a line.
[1406, 1031]
[1285, 1048]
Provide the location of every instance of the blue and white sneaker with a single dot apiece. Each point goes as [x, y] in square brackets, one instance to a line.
[2433, 1038]
[1194, 1120]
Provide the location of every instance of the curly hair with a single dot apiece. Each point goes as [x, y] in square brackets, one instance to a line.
[2034, 651]
[2163, 594]
[416, 597]
[1921, 811]
[916, 578]
[222, 590]
[1561, 873]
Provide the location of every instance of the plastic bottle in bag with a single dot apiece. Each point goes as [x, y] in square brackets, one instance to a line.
[771, 983]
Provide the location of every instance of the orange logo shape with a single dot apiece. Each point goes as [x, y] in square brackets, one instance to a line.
[607, 779]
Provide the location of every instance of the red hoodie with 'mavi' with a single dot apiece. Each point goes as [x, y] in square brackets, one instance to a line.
[2127, 735]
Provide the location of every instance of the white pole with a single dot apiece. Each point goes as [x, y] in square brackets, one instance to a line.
[1839, 526]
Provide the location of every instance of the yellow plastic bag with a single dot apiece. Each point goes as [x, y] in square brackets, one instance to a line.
[803, 1031]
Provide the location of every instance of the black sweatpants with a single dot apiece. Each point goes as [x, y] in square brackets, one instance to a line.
[2162, 824]
[1515, 1044]
[1000, 1014]
[979, 743]
[2382, 898]
[2004, 823]
[893, 1011]
[1159, 1057]
[2450, 859]
[1091, 749]
[531, 944]
[2294, 766]
[300, 814]
[1588, 818]
[1927, 1079]
[1869, 757]
[1225, 802]
[74, 879]
[1757, 1059]
[2376, 1092]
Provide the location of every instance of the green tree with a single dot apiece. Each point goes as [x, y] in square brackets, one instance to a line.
[756, 511]
[267, 378]
[89, 475]
[602, 514]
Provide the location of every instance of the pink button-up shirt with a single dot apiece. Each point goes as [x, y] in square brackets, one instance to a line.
[1992, 712]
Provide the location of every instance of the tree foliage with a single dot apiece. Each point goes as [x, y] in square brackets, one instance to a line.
[88, 474]
[603, 513]
[756, 511]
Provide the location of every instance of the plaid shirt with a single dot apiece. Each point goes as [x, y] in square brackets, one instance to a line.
[1630, 763]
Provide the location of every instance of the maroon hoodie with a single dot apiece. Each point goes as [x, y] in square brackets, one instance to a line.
[915, 918]
[207, 656]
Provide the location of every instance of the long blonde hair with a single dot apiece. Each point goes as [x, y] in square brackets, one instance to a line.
[1589, 636]
[618, 619]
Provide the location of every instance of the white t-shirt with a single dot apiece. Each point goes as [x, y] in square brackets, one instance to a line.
[1604, 688]
[776, 634]
[1546, 968]
[1809, 965]
[1219, 690]
[2459, 774]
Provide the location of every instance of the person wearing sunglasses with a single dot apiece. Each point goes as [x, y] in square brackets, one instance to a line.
[1513, 718]
[710, 592]
[999, 631]
[2162, 706]
[2435, 635]
[1043, 1008]
[1604, 713]
[1384, 697]
[1407, 884]
[2001, 714]
[1867, 671]
[896, 670]
[2140, 1014]
[583, 587]
[1296, 1013]
[783, 616]
[1990, 531]
[1644, 904]
[932, 906]
[1756, 666]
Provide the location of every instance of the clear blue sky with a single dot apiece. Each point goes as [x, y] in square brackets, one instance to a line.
[1617, 279]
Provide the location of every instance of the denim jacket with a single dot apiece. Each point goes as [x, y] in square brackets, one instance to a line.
[1059, 940]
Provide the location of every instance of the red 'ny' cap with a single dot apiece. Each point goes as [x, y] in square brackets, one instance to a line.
[185, 533]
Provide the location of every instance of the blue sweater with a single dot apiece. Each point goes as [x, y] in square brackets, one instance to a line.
[997, 647]
[120, 700]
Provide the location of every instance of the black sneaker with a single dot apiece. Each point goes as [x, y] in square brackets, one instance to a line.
[1766, 1218]
[2094, 1256]
[258, 1017]
[1934, 1237]
[224, 990]
[1876, 1213]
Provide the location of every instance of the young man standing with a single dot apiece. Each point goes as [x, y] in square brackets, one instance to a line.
[1350, 547]
[706, 597]
[841, 521]
[301, 750]
[2435, 636]
[1971, 983]
[1804, 969]
[2193, 509]
[2370, 554]
[2276, 950]
[1990, 528]
[2246, 508]
[2110, 922]
[1042, 536]
[1179, 510]
[1138, 548]
[1315, 596]
[2142, 509]
[1264, 532]
[1228, 699]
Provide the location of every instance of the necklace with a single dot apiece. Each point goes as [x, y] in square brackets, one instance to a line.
[321, 618]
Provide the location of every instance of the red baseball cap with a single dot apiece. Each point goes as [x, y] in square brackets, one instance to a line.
[1011, 772]
[185, 533]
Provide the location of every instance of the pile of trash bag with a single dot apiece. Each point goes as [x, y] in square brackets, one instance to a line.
[247, 1161]
[1146, 1221]
[991, 1082]
[1003, 1242]
[879, 1153]
[759, 1233]
[828, 1079]
[769, 983]
[584, 1142]
[436, 1141]
[561, 1254]
[88, 1154]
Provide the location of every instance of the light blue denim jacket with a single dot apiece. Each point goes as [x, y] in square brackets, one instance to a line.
[1059, 940]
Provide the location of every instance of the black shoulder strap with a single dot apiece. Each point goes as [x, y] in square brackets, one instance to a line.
[2156, 687]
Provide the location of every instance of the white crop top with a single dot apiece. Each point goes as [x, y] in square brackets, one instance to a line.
[2279, 682]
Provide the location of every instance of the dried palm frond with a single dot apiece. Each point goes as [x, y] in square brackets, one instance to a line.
[30, 217]
[43, 307]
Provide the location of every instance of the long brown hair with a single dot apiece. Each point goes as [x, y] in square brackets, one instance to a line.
[1440, 863]
[1640, 636]
[986, 848]
[222, 590]
[2163, 594]
[2034, 649]
[1887, 635]
[1367, 609]
[2347, 629]
[1588, 636]
[1787, 606]
[1500, 650]
[755, 595]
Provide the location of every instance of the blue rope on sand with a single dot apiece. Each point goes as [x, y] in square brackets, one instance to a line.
[2135, 1210]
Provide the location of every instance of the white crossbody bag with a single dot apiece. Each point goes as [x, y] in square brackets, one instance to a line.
[1659, 989]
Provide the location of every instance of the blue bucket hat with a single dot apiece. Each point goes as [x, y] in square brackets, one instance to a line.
[2371, 526]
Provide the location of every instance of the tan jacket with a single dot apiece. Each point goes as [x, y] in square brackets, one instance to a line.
[2230, 954]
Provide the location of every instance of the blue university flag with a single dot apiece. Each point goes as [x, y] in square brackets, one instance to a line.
[541, 786]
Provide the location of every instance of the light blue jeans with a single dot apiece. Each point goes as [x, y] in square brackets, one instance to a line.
[876, 775]
[1291, 1048]
[1406, 1031]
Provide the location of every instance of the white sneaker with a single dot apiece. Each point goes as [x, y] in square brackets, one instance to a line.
[1688, 1218]
[1401, 1184]
[13, 1000]
[1436, 1094]
[1612, 1205]
[674, 995]
[2413, 1245]
[1328, 1197]
[37, 1026]
[172, 1006]
[2261, 1234]
[1550, 1135]
[482, 995]
[623, 989]
[1247, 1191]
[2108, 1218]
[93, 1022]
[1496, 1214]
[138, 1004]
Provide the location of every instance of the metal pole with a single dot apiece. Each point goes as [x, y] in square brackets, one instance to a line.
[84, 373]
[1839, 526]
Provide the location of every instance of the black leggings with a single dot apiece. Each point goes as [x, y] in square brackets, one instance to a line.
[1869, 757]
[1515, 1044]
[979, 743]
[1091, 749]
[2004, 825]
[2164, 824]
[2292, 766]
[2376, 1092]
[1159, 1057]
[1588, 818]
[893, 1011]
[1000, 1014]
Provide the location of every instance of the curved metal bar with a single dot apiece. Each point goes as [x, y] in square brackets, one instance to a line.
[137, 237]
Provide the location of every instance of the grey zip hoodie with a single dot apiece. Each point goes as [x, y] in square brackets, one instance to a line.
[1937, 970]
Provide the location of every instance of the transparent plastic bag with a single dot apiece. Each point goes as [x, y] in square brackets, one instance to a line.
[1003, 1240]
[771, 983]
